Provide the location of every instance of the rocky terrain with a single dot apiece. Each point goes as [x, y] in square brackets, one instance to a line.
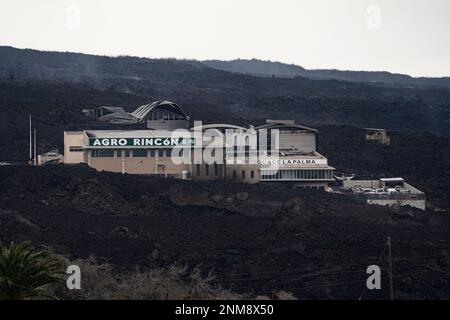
[277, 69]
[256, 238]
[42, 82]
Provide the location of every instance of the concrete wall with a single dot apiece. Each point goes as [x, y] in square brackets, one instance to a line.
[200, 173]
[73, 139]
[420, 204]
[298, 141]
[312, 184]
[361, 183]
[412, 189]
[139, 165]
[42, 159]
[106, 164]
[234, 173]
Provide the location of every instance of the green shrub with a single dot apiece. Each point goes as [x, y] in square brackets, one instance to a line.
[26, 271]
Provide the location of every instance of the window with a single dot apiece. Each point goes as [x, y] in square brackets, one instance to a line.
[75, 149]
[243, 174]
[216, 169]
[102, 153]
[197, 169]
[106, 153]
[126, 153]
[206, 169]
[139, 153]
[252, 174]
[234, 174]
[174, 152]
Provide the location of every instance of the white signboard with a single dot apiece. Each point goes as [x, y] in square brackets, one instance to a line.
[283, 162]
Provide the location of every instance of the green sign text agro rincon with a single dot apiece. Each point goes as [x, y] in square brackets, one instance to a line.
[140, 142]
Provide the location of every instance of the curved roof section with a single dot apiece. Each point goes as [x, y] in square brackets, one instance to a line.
[145, 109]
[276, 124]
[219, 126]
[118, 115]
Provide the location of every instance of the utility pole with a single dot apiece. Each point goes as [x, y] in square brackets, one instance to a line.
[31, 141]
[35, 150]
[391, 277]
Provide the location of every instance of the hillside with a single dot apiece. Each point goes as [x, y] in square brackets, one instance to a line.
[421, 158]
[277, 69]
[314, 244]
[256, 238]
[30, 79]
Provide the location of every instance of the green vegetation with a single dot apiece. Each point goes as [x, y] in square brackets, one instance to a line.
[26, 271]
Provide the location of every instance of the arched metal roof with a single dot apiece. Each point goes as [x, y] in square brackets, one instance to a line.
[274, 124]
[219, 126]
[118, 115]
[143, 110]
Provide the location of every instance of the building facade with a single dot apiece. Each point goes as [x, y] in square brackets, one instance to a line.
[387, 192]
[277, 151]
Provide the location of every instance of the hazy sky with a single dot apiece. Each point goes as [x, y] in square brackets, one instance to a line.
[406, 36]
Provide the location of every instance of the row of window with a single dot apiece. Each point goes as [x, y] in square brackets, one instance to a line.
[198, 169]
[155, 153]
[135, 153]
[76, 149]
[164, 116]
[216, 171]
[243, 174]
[297, 175]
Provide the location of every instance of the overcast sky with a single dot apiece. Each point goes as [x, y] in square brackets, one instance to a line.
[405, 36]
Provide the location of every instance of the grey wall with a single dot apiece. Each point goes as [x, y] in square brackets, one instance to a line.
[298, 140]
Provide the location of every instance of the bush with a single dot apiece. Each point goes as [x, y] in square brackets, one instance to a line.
[26, 272]
[100, 282]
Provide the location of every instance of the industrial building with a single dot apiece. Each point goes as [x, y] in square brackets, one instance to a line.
[276, 151]
[378, 135]
[387, 192]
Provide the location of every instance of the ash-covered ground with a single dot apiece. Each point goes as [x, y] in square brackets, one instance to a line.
[256, 238]
[259, 238]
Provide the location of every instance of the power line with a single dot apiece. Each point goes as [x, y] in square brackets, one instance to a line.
[298, 276]
[346, 282]
[384, 269]
[322, 271]
[379, 261]
[391, 278]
